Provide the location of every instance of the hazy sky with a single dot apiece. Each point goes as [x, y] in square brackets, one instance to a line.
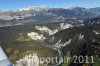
[15, 4]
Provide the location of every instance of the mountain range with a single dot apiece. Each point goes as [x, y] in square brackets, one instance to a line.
[42, 14]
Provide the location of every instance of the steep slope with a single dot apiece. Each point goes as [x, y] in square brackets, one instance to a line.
[79, 41]
[24, 41]
[92, 21]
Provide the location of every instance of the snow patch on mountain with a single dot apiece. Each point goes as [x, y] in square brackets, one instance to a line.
[36, 36]
[81, 36]
[96, 32]
[44, 29]
[68, 42]
[60, 45]
[35, 8]
[65, 26]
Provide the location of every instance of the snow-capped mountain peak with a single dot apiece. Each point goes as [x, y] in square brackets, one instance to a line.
[76, 8]
[37, 8]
